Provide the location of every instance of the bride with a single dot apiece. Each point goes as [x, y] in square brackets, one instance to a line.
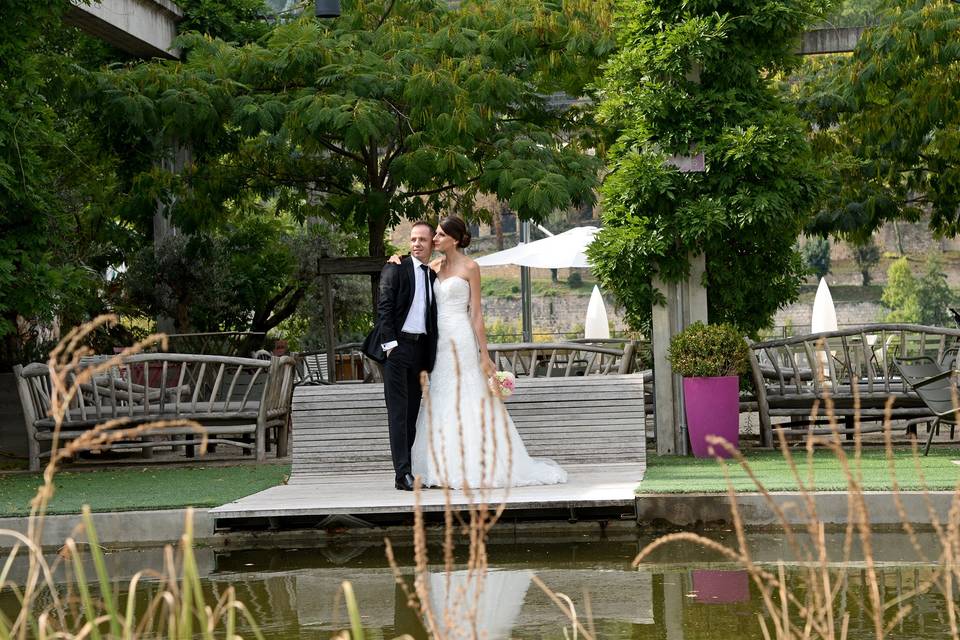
[465, 437]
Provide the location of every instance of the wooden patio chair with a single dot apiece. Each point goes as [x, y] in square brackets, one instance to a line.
[935, 385]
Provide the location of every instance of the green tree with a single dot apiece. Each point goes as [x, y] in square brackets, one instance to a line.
[926, 300]
[55, 184]
[688, 78]
[888, 123]
[934, 295]
[900, 293]
[398, 109]
[250, 273]
[816, 256]
[866, 255]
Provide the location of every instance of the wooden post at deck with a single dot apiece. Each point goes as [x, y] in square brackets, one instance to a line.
[327, 267]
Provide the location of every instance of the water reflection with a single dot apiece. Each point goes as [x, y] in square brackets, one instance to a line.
[684, 595]
[721, 587]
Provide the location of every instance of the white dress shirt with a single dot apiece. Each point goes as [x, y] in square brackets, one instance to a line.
[416, 317]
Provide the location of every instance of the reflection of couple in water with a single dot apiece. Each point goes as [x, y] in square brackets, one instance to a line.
[465, 605]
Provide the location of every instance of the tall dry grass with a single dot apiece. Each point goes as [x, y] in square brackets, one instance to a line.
[809, 607]
[169, 603]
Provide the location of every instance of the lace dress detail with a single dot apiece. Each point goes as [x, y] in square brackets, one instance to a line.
[464, 434]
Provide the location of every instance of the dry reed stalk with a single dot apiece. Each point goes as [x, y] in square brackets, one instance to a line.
[812, 615]
[177, 607]
[460, 601]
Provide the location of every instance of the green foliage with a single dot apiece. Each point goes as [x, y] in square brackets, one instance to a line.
[691, 79]
[708, 350]
[394, 110]
[56, 186]
[888, 122]
[934, 295]
[900, 293]
[923, 301]
[867, 255]
[816, 256]
[575, 280]
[239, 21]
[856, 13]
[252, 273]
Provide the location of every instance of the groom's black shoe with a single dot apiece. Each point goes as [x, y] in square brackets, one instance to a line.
[405, 483]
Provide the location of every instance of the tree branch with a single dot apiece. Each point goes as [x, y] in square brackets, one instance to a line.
[448, 187]
[385, 15]
[340, 151]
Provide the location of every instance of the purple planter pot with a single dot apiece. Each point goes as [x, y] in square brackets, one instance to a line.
[713, 408]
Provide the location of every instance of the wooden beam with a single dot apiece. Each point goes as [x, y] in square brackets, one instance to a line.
[350, 266]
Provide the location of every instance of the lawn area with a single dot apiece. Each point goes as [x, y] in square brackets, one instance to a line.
[692, 475]
[140, 488]
[499, 287]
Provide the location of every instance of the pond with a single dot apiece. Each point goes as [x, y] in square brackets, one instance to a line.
[684, 592]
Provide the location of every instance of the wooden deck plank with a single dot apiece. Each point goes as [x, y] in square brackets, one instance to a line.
[367, 493]
[594, 427]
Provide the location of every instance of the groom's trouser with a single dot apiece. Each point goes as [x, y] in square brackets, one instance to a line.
[401, 388]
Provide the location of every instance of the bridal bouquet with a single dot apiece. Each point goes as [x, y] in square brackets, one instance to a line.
[502, 383]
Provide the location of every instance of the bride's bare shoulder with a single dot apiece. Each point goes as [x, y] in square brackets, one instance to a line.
[436, 263]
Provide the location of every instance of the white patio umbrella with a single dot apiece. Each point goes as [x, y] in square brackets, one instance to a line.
[562, 251]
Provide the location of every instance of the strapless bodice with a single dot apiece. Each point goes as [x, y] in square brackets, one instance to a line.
[453, 296]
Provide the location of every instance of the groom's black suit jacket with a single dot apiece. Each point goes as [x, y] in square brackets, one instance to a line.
[397, 288]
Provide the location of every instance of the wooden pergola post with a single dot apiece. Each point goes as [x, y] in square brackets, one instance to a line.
[686, 304]
[327, 267]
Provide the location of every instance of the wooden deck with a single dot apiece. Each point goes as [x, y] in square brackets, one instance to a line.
[589, 486]
[593, 427]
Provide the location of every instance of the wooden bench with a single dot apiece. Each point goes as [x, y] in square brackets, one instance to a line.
[853, 368]
[239, 401]
[598, 419]
[563, 359]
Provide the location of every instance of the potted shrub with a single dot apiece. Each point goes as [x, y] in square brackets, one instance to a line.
[710, 357]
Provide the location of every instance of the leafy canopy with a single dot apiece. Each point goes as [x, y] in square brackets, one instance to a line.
[697, 77]
[397, 109]
[889, 122]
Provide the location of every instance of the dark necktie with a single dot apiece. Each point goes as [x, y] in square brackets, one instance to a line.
[426, 297]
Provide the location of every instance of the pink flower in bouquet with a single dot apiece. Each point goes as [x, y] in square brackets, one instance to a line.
[503, 384]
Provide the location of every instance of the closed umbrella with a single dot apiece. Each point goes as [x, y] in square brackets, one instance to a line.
[596, 326]
[824, 316]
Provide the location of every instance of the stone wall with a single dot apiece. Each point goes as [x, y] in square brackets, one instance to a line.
[797, 316]
[550, 314]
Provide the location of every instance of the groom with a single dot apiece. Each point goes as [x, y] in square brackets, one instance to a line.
[404, 340]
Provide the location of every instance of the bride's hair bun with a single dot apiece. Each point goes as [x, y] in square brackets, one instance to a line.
[456, 228]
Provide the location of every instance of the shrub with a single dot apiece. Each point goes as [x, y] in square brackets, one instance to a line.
[708, 350]
[575, 280]
[816, 256]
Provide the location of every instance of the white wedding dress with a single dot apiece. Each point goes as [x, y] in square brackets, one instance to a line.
[465, 436]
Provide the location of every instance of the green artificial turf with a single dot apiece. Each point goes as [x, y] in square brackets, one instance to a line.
[670, 474]
[140, 488]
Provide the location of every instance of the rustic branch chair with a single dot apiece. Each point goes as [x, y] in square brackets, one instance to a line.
[848, 373]
[239, 401]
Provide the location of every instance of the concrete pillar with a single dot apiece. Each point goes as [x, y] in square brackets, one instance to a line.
[686, 304]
